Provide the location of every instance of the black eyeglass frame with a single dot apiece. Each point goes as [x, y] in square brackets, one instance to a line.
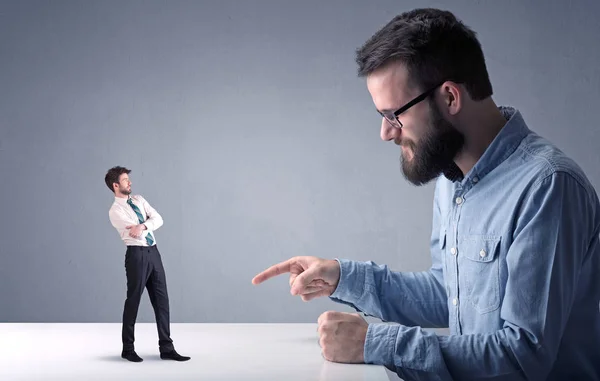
[392, 117]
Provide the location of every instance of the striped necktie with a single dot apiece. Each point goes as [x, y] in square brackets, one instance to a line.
[141, 219]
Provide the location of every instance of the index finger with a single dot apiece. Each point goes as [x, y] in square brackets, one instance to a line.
[278, 269]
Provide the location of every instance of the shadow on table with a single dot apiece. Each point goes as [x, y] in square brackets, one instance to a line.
[117, 358]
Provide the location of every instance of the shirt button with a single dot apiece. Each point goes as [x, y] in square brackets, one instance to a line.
[482, 253]
[475, 179]
[453, 251]
[454, 301]
[459, 200]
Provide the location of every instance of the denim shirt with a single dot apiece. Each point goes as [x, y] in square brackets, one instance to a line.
[515, 274]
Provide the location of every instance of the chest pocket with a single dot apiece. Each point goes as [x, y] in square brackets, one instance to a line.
[479, 271]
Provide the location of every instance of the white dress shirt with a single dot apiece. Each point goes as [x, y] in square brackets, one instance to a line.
[121, 215]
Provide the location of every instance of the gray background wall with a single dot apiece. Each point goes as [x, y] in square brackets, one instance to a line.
[248, 130]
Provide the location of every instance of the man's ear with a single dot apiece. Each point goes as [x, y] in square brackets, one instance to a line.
[452, 97]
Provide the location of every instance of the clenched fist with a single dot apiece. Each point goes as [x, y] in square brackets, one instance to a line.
[342, 337]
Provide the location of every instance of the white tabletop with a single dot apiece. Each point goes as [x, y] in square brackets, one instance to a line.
[90, 351]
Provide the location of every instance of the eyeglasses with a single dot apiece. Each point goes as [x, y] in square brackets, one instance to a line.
[392, 117]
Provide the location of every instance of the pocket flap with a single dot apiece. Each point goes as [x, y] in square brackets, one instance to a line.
[480, 248]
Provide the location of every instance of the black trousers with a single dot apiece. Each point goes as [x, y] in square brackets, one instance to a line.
[144, 269]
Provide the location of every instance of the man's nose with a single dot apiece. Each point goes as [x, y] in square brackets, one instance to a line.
[388, 132]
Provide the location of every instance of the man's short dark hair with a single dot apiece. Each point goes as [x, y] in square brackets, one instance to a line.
[434, 46]
[112, 176]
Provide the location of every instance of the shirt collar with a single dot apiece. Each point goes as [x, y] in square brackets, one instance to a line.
[503, 145]
[121, 200]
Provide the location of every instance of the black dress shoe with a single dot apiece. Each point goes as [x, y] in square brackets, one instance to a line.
[172, 355]
[131, 356]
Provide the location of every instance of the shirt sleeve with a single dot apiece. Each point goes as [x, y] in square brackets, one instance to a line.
[552, 234]
[154, 220]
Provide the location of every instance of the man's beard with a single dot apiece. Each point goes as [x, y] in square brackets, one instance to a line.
[436, 151]
[125, 191]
